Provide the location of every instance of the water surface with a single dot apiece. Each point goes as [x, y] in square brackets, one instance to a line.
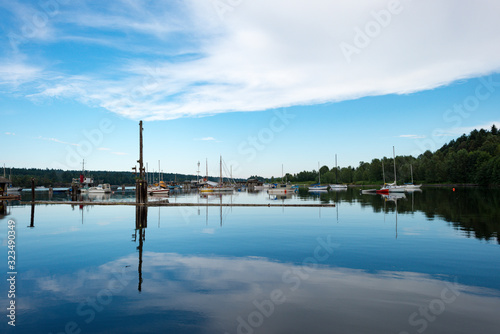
[424, 263]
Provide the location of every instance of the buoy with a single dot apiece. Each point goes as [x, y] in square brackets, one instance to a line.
[453, 189]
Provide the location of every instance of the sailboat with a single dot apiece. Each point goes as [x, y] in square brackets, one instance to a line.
[160, 188]
[213, 187]
[393, 187]
[282, 188]
[411, 186]
[337, 186]
[318, 186]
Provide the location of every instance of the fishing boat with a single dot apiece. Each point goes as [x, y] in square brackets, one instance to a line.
[101, 188]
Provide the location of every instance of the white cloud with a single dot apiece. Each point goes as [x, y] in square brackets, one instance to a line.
[270, 54]
[56, 141]
[10, 133]
[104, 149]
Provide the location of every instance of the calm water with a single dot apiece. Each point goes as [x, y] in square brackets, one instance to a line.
[428, 262]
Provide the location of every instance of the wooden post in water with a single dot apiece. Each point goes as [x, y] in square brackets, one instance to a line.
[32, 221]
[141, 186]
[32, 189]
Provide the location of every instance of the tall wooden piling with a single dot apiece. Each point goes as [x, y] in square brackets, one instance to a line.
[141, 186]
[32, 189]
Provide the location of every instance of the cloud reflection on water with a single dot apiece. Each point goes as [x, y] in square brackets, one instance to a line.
[218, 290]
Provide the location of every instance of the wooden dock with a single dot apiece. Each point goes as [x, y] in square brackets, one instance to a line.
[10, 197]
[162, 203]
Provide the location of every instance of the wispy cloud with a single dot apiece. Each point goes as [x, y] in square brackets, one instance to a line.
[55, 140]
[206, 139]
[10, 133]
[184, 61]
[467, 130]
[411, 136]
[103, 149]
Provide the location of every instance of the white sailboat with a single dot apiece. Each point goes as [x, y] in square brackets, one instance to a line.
[318, 186]
[411, 186]
[337, 186]
[393, 187]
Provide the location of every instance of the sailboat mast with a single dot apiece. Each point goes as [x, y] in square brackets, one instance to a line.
[394, 157]
[220, 179]
[383, 171]
[319, 175]
[411, 171]
[336, 169]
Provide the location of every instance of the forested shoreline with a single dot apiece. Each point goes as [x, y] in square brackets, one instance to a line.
[470, 159]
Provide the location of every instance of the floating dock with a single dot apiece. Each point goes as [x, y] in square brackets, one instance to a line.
[162, 203]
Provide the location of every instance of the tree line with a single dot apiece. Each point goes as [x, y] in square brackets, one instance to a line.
[21, 177]
[470, 159]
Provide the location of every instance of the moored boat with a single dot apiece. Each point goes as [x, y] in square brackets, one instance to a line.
[101, 188]
[283, 188]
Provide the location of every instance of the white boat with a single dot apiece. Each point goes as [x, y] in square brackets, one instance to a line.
[318, 186]
[411, 186]
[157, 191]
[338, 186]
[393, 187]
[101, 188]
[13, 190]
[283, 188]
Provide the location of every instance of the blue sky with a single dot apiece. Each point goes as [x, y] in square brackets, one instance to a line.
[262, 84]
